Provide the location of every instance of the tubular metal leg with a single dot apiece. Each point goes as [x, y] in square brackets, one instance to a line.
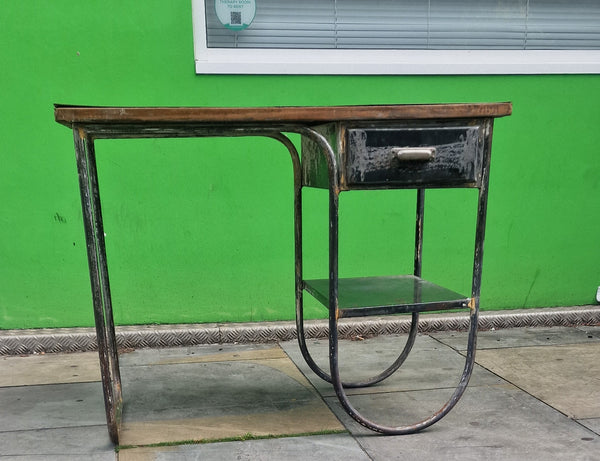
[300, 298]
[334, 307]
[412, 334]
[96, 251]
[333, 346]
[409, 429]
[419, 232]
[300, 315]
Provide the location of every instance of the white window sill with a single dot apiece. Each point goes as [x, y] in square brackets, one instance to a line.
[395, 62]
[383, 62]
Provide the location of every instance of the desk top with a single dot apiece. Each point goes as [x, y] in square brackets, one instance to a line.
[264, 116]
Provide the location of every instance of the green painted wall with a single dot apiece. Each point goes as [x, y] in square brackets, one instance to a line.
[187, 243]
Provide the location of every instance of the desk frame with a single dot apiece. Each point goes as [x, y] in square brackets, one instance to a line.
[91, 123]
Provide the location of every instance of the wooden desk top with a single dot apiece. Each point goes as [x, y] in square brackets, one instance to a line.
[265, 116]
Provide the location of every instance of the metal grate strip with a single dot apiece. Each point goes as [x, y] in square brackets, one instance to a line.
[17, 342]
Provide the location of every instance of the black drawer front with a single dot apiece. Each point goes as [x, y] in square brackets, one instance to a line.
[414, 156]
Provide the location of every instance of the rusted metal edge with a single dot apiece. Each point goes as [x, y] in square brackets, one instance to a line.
[70, 115]
[16, 342]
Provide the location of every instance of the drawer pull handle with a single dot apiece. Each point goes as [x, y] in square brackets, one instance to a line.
[420, 154]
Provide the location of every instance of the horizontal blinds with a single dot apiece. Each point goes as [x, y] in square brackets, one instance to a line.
[278, 24]
[477, 24]
[414, 24]
[560, 24]
[385, 24]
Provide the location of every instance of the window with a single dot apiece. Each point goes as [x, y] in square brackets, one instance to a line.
[397, 36]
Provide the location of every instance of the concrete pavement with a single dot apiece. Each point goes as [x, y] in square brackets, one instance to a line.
[534, 395]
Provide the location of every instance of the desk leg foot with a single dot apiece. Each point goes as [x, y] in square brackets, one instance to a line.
[111, 386]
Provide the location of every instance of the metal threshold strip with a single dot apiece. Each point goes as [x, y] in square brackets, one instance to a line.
[35, 341]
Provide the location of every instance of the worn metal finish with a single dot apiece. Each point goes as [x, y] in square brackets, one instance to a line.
[344, 148]
[404, 157]
[366, 158]
[331, 289]
[419, 232]
[406, 154]
[96, 250]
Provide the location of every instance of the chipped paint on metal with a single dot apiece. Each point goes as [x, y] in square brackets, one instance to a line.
[472, 304]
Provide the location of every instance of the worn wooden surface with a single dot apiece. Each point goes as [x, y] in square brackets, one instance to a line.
[70, 115]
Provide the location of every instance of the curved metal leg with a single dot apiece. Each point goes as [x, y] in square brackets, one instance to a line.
[414, 327]
[408, 429]
[333, 336]
[338, 384]
[96, 250]
[300, 294]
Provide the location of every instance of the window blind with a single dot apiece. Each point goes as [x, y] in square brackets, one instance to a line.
[414, 24]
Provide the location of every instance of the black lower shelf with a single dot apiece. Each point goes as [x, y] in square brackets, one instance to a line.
[358, 297]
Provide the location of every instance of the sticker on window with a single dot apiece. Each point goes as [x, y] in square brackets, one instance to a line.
[235, 14]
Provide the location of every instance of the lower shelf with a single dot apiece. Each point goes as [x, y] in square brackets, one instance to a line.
[363, 296]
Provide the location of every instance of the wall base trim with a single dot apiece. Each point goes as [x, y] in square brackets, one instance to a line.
[18, 342]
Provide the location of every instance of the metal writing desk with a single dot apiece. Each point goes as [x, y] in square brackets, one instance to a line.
[343, 148]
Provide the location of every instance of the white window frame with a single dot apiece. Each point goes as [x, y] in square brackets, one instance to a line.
[382, 62]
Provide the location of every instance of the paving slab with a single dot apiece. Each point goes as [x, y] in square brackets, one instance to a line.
[565, 377]
[592, 424]
[430, 365]
[199, 354]
[49, 369]
[593, 330]
[490, 422]
[71, 444]
[335, 447]
[536, 399]
[51, 406]
[519, 337]
[219, 392]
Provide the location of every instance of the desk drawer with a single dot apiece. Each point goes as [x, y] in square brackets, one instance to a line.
[413, 156]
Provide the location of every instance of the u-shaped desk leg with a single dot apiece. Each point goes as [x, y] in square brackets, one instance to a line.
[414, 326]
[96, 251]
[333, 342]
[338, 384]
[299, 288]
[412, 334]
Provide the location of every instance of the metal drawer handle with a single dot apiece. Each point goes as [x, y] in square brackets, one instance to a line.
[421, 154]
